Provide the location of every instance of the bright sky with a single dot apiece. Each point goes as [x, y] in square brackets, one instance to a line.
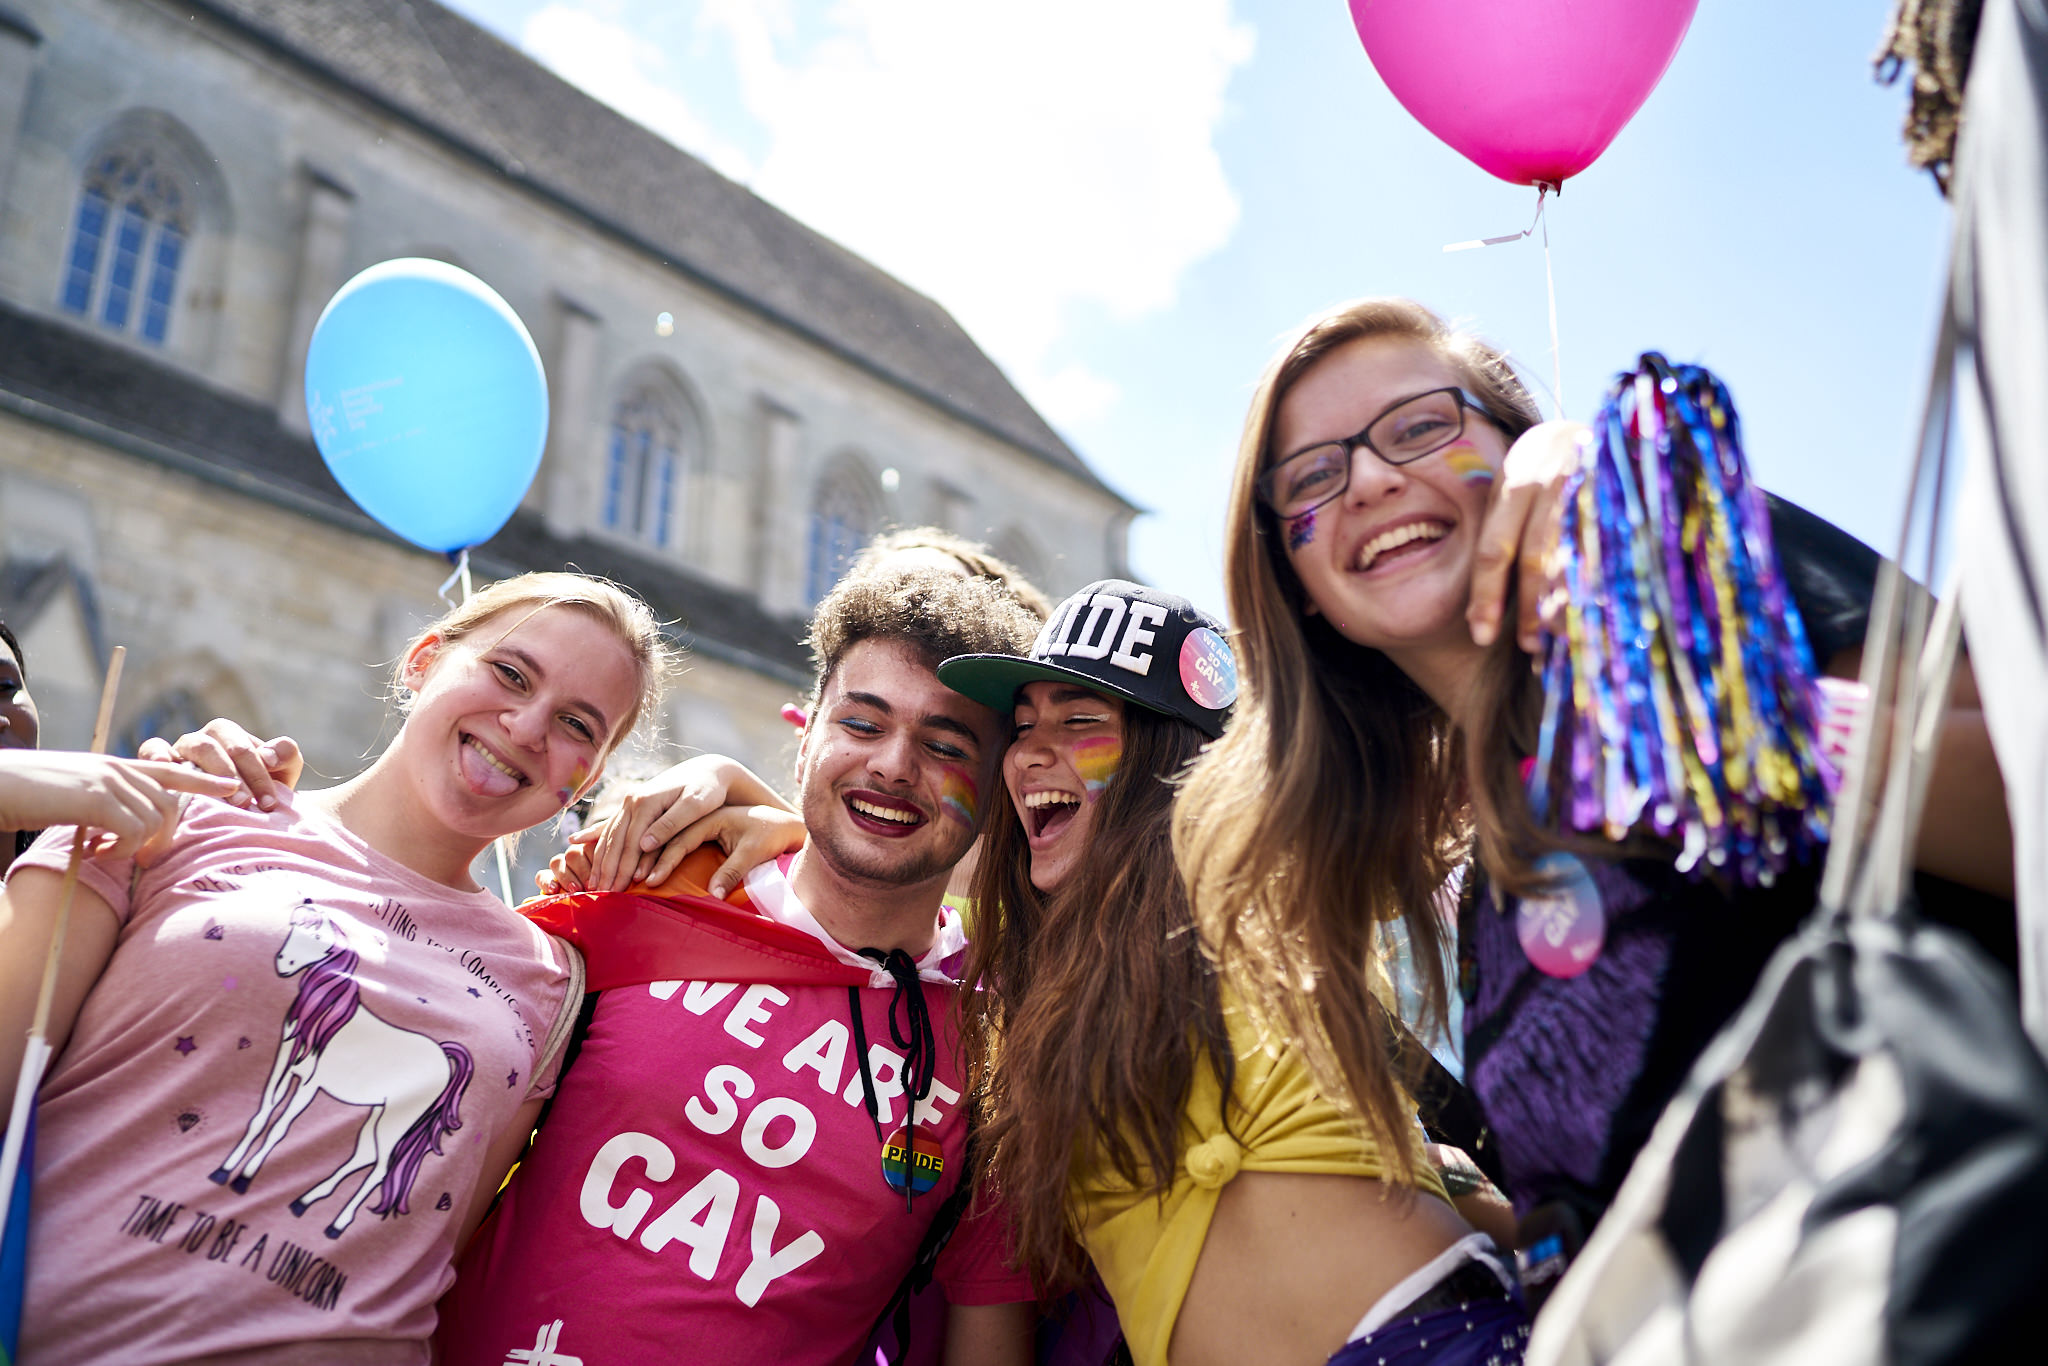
[1128, 201]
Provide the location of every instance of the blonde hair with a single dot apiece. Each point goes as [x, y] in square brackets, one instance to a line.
[618, 608]
[1331, 806]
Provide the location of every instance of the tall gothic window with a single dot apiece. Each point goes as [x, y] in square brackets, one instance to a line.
[169, 715]
[133, 226]
[843, 517]
[644, 467]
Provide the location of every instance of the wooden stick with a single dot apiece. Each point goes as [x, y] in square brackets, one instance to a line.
[35, 1053]
[99, 746]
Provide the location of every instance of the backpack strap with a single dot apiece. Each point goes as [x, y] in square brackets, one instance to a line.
[579, 1028]
[570, 1016]
[1449, 1112]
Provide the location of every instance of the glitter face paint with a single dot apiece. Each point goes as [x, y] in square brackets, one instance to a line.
[1468, 464]
[1096, 760]
[565, 795]
[960, 797]
[1301, 530]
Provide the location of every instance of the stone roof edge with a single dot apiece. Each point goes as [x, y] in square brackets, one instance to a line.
[347, 518]
[1080, 470]
[15, 22]
[690, 641]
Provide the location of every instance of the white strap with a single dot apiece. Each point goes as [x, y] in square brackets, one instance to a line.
[572, 1007]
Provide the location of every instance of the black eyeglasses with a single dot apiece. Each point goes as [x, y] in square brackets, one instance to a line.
[1404, 433]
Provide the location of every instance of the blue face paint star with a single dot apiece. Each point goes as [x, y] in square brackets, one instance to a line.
[1301, 530]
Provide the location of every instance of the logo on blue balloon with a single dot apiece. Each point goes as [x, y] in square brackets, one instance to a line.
[427, 401]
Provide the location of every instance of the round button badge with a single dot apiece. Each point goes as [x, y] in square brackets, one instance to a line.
[1562, 929]
[913, 1161]
[1207, 670]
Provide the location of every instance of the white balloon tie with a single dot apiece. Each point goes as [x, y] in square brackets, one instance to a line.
[1543, 189]
[460, 575]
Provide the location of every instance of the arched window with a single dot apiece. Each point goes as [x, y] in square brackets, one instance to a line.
[128, 241]
[168, 716]
[649, 452]
[844, 515]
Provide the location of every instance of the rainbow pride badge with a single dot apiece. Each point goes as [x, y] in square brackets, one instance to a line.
[912, 1161]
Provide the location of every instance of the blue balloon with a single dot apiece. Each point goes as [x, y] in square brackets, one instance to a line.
[427, 401]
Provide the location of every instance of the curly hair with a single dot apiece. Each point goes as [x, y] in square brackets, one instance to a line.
[936, 614]
[974, 559]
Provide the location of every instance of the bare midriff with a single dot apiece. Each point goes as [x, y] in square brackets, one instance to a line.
[1293, 1262]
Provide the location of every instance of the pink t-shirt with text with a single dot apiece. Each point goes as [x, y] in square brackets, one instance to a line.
[709, 1187]
[275, 1103]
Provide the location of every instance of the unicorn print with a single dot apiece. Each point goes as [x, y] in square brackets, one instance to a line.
[411, 1084]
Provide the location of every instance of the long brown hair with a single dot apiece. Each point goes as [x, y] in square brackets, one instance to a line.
[1333, 804]
[1095, 1006]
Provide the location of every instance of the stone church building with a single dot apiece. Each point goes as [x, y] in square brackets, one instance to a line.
[737, 402]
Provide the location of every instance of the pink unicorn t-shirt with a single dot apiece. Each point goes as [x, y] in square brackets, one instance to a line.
[276, 1101]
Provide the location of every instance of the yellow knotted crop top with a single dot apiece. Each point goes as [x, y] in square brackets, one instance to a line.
[1145, 1249]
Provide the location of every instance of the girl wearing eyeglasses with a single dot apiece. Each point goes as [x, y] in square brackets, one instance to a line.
[1391, 475]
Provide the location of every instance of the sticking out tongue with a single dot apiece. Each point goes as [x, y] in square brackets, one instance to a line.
[483, 776]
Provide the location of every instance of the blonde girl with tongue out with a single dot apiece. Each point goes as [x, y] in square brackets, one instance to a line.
[298, 1049]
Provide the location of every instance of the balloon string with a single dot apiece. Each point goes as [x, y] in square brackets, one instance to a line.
[1543, 190]
[461, 575]
[1550, 286]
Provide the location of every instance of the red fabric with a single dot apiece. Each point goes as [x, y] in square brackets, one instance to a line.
[676, 932]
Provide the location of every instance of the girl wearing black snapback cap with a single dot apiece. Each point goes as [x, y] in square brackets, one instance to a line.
[1134, 1114]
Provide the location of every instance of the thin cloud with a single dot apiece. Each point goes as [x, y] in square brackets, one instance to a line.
[1017, 163]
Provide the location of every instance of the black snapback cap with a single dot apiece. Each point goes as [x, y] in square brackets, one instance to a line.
[1155, 649]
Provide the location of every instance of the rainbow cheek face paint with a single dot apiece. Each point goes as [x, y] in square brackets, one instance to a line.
[1301, 530]
[577, 775]
[959, 797]
[1096, 760]
[1468, 464]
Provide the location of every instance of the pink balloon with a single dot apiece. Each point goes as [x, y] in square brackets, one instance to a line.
[1528, 89]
